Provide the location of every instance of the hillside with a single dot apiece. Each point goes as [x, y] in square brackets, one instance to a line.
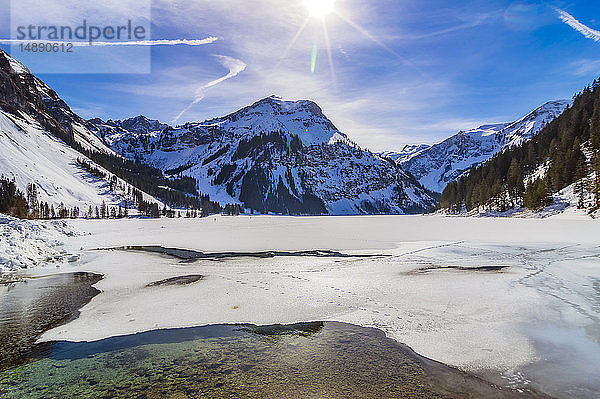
[445, 162]
[44, 143]
[564, 155]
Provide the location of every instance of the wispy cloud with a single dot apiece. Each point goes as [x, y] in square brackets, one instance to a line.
[585, 67]
[235, 67]
[578, 26]
[162, 42]
[476, 21]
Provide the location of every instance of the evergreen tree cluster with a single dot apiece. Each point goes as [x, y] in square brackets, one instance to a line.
[233, 210]
[14, 202]
[181, 191]
[87, 166]
[569, 150]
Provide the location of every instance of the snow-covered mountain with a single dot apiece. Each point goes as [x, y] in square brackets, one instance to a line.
[39, 138]
[438, 165]
[275, 155]
[407, 151]
[138, 124]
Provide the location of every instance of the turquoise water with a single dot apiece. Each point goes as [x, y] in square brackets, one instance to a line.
[332, 360]
[307, 360]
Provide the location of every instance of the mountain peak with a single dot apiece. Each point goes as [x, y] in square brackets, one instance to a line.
[289, 104]
[15, 65]
[136, 124]
[442, 163]
[303, 118]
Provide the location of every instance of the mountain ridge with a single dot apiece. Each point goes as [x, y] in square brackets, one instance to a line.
[442, 163]
[44, 143]
[276, 155]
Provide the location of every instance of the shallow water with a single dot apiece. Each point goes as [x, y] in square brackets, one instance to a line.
[32, 306]
[333, 360]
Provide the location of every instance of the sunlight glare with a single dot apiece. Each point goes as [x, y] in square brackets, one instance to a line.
[319, 8]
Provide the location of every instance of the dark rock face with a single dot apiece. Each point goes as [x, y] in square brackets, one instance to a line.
[23, 92]
[180, 280]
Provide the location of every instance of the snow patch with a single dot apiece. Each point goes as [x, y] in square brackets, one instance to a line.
[25, 244]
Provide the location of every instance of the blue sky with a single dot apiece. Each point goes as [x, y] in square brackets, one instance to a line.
[404, 71]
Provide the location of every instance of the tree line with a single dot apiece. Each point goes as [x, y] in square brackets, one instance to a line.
[25, 205]
[565, 152]
[14, 202]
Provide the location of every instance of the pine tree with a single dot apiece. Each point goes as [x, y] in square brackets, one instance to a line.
[536, 194]
[581, 182]
[516, 186]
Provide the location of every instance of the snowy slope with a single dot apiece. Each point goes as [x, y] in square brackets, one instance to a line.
[407, 152]
[35, 129]
[275, 155]
[442, 163]
[29, 154]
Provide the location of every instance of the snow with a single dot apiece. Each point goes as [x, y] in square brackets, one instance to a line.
[470, 319]
[26, 244]
[17, 66]
[407, 152]
[29, 154]
[442, 163]
[88, 140]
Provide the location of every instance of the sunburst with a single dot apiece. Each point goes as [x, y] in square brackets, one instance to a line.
[319, 10]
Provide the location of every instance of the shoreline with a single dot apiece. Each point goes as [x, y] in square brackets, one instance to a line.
[438, 377]
[454, 313]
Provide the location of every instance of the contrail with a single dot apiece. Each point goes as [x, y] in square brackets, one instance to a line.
[578, 26]
[162, 42]
[235, 67]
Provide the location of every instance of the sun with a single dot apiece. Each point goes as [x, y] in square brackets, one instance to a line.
[319, 8]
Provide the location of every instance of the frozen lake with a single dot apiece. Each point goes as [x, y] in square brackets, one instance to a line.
[514, 300]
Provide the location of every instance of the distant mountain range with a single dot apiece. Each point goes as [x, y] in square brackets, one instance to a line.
[555, 170]
[437, 165]
[276, 155]
[273, 156]
[406, 152]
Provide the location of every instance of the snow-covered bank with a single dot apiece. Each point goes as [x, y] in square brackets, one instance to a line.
[565, 205]
[475, 319]
[25, 243]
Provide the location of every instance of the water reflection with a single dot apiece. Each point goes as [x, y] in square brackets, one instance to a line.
[32, 306]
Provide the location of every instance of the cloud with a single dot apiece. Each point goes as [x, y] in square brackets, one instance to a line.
[578, 26]
[476, 21]
[162, 42]
[235, 67]
[586, 67]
